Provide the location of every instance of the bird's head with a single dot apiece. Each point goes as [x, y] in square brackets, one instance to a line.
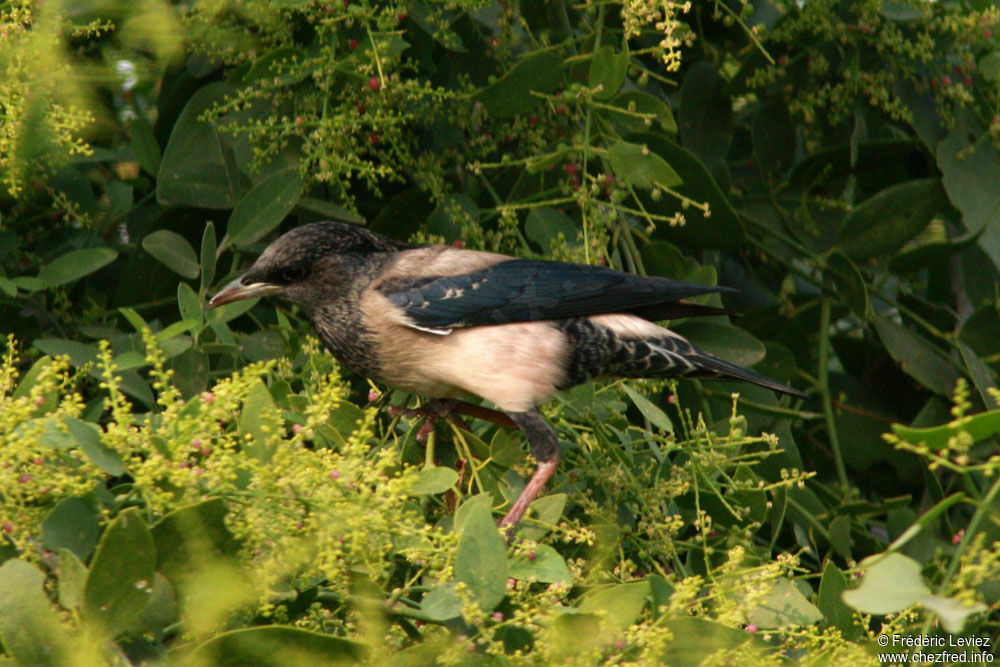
[307, 265]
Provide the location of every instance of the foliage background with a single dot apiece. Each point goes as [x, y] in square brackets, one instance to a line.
[192, 486]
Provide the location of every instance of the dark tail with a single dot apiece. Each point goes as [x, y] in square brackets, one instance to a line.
[716, 367]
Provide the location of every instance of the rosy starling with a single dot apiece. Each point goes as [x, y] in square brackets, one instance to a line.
[444, 323]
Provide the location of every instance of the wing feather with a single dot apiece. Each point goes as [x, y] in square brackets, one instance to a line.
[522, 290]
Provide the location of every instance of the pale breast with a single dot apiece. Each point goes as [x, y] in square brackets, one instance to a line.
[515, 366]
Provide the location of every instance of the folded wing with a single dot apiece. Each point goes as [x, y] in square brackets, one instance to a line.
[524, 290]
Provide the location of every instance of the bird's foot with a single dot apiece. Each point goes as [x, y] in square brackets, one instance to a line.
[430, 412]
[531, 491]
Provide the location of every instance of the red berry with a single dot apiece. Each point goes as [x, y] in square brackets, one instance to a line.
[782, 60]
[8, 527]
[966, 81]
[987, 33]
[458, 243]
[353, 43]
[361, 109]
[374, 83]
[946, 80]
[533, 121]
[373, 138]
[571, 168]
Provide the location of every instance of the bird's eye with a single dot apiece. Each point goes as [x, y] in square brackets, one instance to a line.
[293, 274]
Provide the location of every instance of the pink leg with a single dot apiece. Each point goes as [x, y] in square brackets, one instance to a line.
[531, 491]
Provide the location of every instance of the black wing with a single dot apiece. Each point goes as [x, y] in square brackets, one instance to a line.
[523, 290]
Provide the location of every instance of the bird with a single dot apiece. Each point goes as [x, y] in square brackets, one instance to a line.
[447, 323]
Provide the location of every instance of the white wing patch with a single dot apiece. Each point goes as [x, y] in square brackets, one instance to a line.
[434, 330]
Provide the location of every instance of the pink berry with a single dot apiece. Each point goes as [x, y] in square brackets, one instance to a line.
[207, 397]
[334, 474]
[297, 428]
[946, 80]
[374, 83]
[497, 616]
[751, 628]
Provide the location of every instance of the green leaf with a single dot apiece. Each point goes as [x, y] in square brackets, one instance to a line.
[330, 210]
[434, 480]
[29, 627]
[481, 557]
[74, 524]
[970, 172]
[546, 511]
[72, 578]
[511, 96]
[919, 358]
[831, 588]
[147, 150]
[75, 265]
[850, 284]
[173, 251]
[881, 224]
[697, 638]
[706, 117]
[209, 249]
[546, 566]
[607, 69]
[650, 410]
[452, 216]
[784, 605]
[639, 111]
[30, 379]
[29, 284]
[441, 603]
[979, 426]
[80, 354]
[189, 304]
[952, 612]
[88, 439]
[544, 225]
[641, 167]
[254, 417]
[121, 575]
[901, 11]
[977, 369]
[722, 228]
[277, 645]
[989, 66]
[621, 604]
[193, 538]
[161, 607]
[264, 207]
[773, 133]
[891, 583]
[196, 169]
